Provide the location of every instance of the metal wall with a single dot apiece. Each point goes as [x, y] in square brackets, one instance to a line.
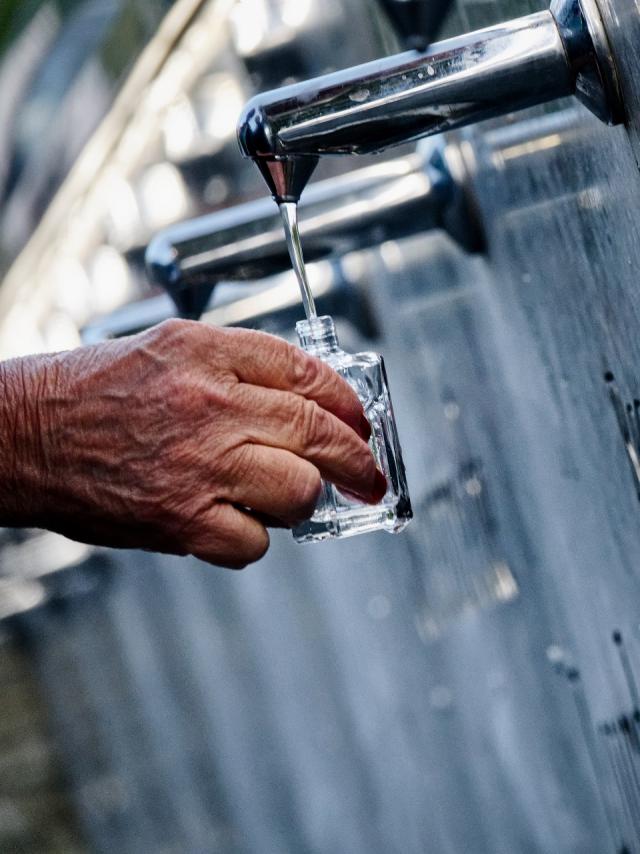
[468, 686]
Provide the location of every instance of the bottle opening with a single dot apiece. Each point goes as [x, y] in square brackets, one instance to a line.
[317, 333]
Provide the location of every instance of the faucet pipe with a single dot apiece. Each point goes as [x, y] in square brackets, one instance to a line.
[389, 200]
[487, 73]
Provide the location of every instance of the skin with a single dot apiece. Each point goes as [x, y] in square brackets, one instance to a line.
[184, 439]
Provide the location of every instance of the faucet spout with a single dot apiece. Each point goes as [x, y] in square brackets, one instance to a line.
[393, 199]
[414, 94]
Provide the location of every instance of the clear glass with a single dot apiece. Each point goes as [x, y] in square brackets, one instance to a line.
[337, 515]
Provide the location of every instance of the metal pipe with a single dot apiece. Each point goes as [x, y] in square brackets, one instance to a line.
[389, 200]
[401, 98]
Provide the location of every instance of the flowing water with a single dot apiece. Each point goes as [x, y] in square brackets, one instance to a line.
[289, 213]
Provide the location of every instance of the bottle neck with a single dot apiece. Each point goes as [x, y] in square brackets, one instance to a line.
[318, 335]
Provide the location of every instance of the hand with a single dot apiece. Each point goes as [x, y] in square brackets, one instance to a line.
[184, 439]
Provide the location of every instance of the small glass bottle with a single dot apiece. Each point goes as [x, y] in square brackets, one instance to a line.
[337, 515]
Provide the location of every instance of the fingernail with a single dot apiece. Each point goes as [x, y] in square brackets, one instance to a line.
[365, 428]
[379, 486]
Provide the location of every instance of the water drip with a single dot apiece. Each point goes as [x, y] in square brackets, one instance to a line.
[289, 213]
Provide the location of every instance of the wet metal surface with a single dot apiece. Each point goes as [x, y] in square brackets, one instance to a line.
[469, 686]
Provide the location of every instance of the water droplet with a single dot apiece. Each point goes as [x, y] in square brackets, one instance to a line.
[555, 654]
[505, 587]
[359, 96]
[431, 70]
[452, 412]
[473, 487]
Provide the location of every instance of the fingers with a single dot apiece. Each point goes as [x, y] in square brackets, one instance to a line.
[264, 360]
[278, 484]
[293, 423]
[226, 536]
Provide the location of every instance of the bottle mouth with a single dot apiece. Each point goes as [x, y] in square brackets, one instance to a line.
[317, 332]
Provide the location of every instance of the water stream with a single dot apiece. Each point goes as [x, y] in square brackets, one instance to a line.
[289, 213]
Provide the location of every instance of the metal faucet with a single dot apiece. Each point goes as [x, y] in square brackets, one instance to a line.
[429, 188]
[487, 73]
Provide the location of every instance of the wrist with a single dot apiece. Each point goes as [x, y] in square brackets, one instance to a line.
[23, 463]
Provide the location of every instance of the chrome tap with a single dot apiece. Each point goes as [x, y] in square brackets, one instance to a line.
[490, 72]
[389, 200]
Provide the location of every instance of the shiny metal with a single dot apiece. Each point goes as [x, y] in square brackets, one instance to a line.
[391, 200]
[490, 72]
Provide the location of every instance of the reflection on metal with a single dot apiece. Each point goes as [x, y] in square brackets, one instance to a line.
[366, 208]
[38, 553]
[281, 294]
[542, 137]
[17, 596]
[628, 418]
[613, 746]
[265, 25]
[476, 76]
[552, 140]
[36, 807]
[73, 226]
[166, 150]
[457, 544]
[249, 304]
[621, 738]
[297, 707]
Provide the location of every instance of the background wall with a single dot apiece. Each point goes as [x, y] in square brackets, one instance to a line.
[470, 685]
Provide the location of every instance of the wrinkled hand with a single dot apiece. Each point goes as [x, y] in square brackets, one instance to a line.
[185, 439]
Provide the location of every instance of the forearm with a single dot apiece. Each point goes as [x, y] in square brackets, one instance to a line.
[22, 463]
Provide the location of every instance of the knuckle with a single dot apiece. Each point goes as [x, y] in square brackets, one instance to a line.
[221, 538]
[173, 325]
[167, 337]
[166, 327]
[309, 423]
[238, 465]
[178, 334]
[242, 402]
[275, 354]
[171, 328]
[363, 460]
[192, 522]
[305, 370]
[304, 489]
[248, 551]
[269, 346]
[357, 464]
[176, 391]
[199, 408]
[349, 396]
[259, 546]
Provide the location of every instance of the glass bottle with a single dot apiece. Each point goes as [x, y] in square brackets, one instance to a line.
[337, 515]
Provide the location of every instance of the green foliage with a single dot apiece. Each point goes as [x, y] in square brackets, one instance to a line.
[13, 16]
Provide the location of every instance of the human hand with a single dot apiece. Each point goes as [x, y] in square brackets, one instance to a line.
[184, 439]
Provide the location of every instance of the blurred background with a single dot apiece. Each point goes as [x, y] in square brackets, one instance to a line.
[468, 687]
